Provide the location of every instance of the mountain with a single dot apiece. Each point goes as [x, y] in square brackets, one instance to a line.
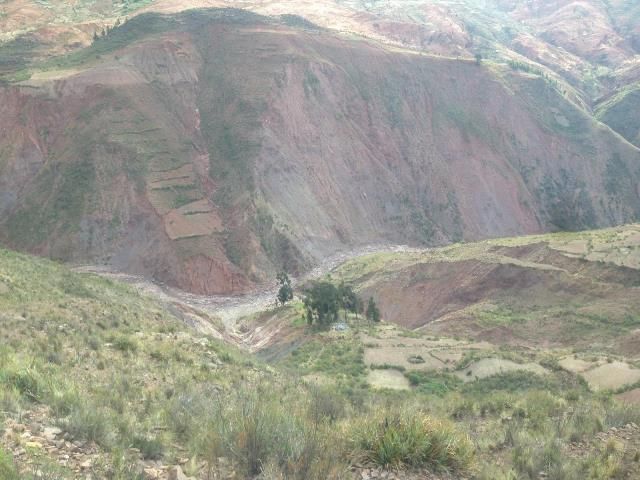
[211, 148]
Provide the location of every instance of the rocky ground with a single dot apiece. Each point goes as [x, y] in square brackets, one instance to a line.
[37, 446]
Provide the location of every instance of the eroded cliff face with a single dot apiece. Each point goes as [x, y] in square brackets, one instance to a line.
[225, 148]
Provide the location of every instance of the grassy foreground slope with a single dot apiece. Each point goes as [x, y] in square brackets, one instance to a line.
[100, 382]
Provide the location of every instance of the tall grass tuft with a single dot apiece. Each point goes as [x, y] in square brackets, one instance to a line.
[413, 440]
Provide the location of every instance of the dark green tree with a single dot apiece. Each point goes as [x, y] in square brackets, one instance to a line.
[360, 307]
[285, 292]
[348, 299]
[373, 313]
[478, 58]
[321, 303]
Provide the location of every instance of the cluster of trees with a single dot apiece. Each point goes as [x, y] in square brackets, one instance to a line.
[323, 301]
[524, 67]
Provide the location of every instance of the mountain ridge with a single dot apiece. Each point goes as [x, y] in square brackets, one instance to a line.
[225, 169]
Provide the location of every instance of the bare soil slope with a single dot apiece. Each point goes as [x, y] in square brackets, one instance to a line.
[569, 290]
[212, 148]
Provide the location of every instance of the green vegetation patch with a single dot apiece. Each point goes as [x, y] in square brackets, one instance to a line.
[58, 200]
[339, 358]
[433, 383]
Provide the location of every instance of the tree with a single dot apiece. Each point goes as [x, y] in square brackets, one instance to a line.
[359, 307]
[95, 36]
[348, 299]
[285, 293]
[478, 58]
[373, 313]
[321, 303]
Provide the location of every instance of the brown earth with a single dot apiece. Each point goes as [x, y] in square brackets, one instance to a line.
[228, 146]
[527, 294]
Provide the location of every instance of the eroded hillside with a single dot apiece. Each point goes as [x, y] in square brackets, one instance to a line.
[210, 149]
[564, 290]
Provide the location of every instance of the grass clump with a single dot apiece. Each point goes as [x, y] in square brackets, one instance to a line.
[7, 468]
[125, 344]
[404, 440]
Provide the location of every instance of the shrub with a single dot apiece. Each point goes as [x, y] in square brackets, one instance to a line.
[585, 421]
[257, 427]
[529, 458]
[125, 344]
[387, 366]
[27, 381]
[7, 469]
[410, 440]
[88, 422]
[325, 404]
[619, 414]
[150, 448]
[511, 382]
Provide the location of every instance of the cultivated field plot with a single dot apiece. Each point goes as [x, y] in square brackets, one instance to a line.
[601, 374]
[494, 366]
[577, 365]
[390, 351]
[392, 379]
[632, 396]
[611, 376]
[391, 348]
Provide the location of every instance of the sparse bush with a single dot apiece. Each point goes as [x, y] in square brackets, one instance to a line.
[465, 407]
[511, 382]
[433, 383]
[325, 404]
[150, 447]
[88, 422]
[530, 458]
[387, 366]
[28, 381]
[255, 429]
[585, 421]
[620, 414]
[125, 344]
